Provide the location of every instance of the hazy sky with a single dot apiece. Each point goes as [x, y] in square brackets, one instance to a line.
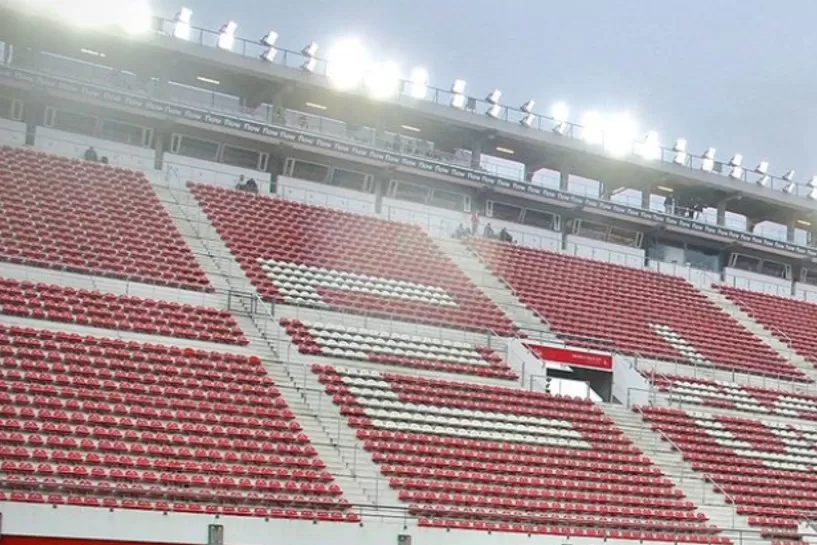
[735, 74]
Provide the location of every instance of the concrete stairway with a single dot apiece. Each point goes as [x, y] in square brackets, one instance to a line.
[356, 474]
[498, 291]
[701, 492]
[767, 336]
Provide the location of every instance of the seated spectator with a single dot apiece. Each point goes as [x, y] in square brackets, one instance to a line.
[90, 154]
[505, 236]
[241, 186]
[104, 160]
[461, 232]
[251, 186]
[489, 231]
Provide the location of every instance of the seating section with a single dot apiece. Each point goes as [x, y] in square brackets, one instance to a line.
[481, 457]
[767, 469]
[335, 341]
[635, 311]
[790, 320]
[732, 396]
[89, 218]
[306, 255]
[111, 311]
[102, 422]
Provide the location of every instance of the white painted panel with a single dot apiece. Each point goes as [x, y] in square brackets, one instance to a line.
[12, 133]
[438, 222]
[697, 277]
[629, 386]
[604, 251]
[73, 145]
[186, 169]
[325, 195]
[757, 282]
[805, 292]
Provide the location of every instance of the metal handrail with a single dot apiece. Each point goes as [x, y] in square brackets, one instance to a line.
[747, 308]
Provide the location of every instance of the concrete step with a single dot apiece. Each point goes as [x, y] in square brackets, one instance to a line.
[496, 289]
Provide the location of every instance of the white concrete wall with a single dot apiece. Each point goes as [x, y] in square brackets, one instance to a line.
[438, 222]
[349, 200]
[188, 169]
[73, 145]
[153, 526]
[629, 386]
[757, 282]
[12, 133]
[697, 277]
[604, 251]
[805, 292]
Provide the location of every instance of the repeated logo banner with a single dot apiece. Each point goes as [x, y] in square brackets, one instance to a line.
[354, 150]
[579, 358]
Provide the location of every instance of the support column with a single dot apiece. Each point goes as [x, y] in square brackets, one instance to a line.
[646, 196]
[790, 232]
[161, 141]
[564, 178]
[721, 218]
[476, 155]
[7, 54]
[380, 185]
[750, 225]
[604, 191]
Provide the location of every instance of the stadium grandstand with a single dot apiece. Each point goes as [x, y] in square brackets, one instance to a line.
[240, 305]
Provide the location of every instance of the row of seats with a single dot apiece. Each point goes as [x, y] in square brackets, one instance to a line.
[306, 255]
[108, 310]
[628, 310]
[473, 455]
[89, 218]
[82, 422]
[790, 320]
[321, 339]
[765, 468]
[733, 396]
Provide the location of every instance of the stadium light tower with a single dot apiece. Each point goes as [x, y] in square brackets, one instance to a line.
[181, 24]
[309, 52]
[708, 160]
[494, 108]
[560, 112]
[737, 170]
[650, 148]
[591, 128]
[762, 168]
[269, 41]
[383, 80]
[680, 149]
[347, 65]
[527, 108]
[226, 36]
[791, 185]
[458, 94]
[619, 135]
[419, 83]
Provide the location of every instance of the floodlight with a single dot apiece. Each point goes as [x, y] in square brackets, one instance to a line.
[680, 149]
[226, 35]
[181, 24]
[137, 19]
[591, 128]
[458, 94]
[737, 170]
[269, 41]
[347, 64]
[791, 185]
[419, 83]
[310, 50]
[309, 64]
[383, 80]
[527, 121]
[527, 107]
[619, 135]
[494, 97]
[493, 111]
[813, 194]
[813, 182]
[708, 160]
[559, 111]
[762, 168]
[650, 148]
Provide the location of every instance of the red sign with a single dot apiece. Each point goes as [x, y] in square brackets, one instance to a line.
[568, 356]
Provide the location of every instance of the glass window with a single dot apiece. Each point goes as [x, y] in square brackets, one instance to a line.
[411, 192]
[311, 172]
[348, 179]
[199, 149]
[506, 212]
[78, 123]
[240, 157]
[538, 218]
[124, 133]
[448, 199]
